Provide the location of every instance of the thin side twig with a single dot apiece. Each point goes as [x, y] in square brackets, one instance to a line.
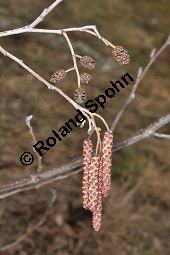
[73, 57]
[45, 13]
[140, 76]
[39, 158]
[165, 136]
[37, 76]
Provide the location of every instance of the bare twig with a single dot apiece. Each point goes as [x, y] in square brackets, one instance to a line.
[32, 227]
[36, 75]
[161, 135]
[86, 112]
[31, 28]
[45, 13]
[39, 158]
[140, 76]
[73, 57]
[28, 29]
[40, 179]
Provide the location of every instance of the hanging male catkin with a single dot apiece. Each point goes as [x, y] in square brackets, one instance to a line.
[87, 155]
[97, 214]
[106, 163]
[94, 183]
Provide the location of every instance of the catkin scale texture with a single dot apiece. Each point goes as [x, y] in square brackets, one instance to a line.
[97, 214]
[106, 164]
[87, 155]
[93, 183]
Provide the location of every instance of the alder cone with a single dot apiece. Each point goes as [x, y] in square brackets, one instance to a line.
[88, 62]
[85, 78]
[121, 55]
[87, 155]
[79, 95]
[58, 76]
[106, 164]
[94, 183]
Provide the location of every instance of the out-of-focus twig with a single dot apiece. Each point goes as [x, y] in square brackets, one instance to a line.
[140, 76]
[32, 227]
[39, 158]
[165, 136]
[45, 12]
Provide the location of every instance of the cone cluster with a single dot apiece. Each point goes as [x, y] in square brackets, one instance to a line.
[96, 177]
[119, 54]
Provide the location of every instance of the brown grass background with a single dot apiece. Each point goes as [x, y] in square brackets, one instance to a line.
[136, 215]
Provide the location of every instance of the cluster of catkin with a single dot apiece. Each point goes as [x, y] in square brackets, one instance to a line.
[96, 181]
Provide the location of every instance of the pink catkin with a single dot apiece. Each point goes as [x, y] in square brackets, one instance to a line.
[94, 183]
[101, 174]
[106, 164]
[97, 214]
[95, 202]
[87, 155]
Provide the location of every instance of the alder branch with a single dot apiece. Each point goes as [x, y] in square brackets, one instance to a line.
[30, 28]
[37, 76]
[140, 75]
[32, 227]
[27, 29]
[40, 179]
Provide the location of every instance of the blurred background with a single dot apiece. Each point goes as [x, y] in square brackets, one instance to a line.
[136, 217]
